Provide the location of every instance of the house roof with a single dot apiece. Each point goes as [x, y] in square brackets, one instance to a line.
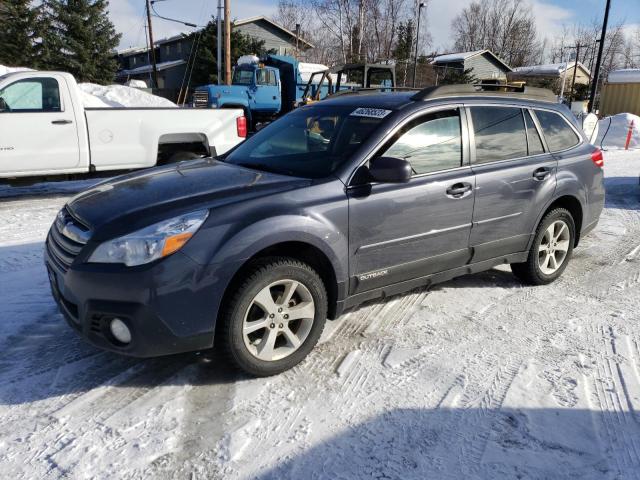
[625, 75]
[463, 56]
[237, 23]
[148, 68]
[548, 70]
[246, 21]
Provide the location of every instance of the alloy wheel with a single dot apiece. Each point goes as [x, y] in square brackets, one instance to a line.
[278, 320]
[554, 247]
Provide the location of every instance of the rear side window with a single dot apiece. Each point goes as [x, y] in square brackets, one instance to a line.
[559, 135]
[533, 137]
[499, 133]
[431, 143]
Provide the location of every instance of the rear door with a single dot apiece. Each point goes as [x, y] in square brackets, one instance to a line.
[38, 131]
[403, 231]
[515, 178]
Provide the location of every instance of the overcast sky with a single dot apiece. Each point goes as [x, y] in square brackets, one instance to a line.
[128, 15]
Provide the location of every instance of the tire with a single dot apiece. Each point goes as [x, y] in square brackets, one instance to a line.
[548, 259]
[274, 340]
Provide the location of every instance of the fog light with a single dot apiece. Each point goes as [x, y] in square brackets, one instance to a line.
[120, 331]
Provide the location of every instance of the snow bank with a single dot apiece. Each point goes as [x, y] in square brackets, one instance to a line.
[613, 131]
[4, 70]
[99, 96]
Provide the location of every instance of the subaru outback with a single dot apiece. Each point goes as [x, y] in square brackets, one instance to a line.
[353, 198]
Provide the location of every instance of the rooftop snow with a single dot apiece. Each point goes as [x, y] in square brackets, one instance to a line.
[627, 75]
[547, 69]
[456, 57]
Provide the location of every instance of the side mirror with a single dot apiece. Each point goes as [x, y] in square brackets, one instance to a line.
[390, 170]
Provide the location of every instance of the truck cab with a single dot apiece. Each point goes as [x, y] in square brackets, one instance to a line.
[255, 88]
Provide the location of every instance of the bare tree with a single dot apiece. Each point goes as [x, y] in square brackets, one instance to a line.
[506, 27]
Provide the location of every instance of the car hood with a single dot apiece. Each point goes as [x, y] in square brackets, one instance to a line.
[138, 199]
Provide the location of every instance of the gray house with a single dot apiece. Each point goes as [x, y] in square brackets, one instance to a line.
[484, 64]
[172, 54]
[275, 36]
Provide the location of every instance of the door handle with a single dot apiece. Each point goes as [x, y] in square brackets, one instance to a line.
[61, 122]
[541, 173]
[458, 190]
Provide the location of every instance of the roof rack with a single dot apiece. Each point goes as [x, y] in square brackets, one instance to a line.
[354, 91]
[487, 89]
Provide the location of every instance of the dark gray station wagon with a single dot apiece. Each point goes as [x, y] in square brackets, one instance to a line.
[357, 197]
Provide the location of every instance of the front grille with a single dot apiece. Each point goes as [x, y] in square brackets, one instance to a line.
[66, 238]
[201, 99]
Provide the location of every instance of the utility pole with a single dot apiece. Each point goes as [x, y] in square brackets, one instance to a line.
[596, 73]
[415, 59]
[151, 47]
[227, 42]
[575, 69]
[219, 41]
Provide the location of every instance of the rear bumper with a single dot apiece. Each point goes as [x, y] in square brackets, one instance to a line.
[169, 307]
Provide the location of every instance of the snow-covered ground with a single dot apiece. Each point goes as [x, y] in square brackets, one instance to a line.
[478, 378]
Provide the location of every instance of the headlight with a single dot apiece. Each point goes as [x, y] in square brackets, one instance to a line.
[150, 243]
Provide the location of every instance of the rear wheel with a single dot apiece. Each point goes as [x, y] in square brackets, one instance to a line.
[551, 249]
[275, 318]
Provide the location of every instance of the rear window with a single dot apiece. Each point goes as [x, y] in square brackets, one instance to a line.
[559, 135]
[499, 133]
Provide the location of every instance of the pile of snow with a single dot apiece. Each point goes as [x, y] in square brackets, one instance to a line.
[136, 84]
[100, 96]
[5, 70]
[625, 75]
[613, 131]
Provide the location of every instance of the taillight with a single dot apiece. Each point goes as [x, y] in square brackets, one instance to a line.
[597, 158]
[241, 125]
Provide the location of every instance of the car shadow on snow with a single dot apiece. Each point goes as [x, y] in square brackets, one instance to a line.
[623, 192]
[479, 443]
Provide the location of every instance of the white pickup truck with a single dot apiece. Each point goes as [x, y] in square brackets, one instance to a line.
[46, 130]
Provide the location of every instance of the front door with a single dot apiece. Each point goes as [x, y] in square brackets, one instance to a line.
[38, 131]
[267, 94]
[403, 231]
[515, 179]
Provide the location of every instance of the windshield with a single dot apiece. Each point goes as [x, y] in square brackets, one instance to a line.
[311, 142]
[242, 77]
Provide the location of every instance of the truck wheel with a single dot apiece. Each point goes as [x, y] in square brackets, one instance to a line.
[551, 249]
[275, 318]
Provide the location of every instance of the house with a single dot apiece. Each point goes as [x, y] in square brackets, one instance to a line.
[172, 54]
[553, 72]
[275, 37]
[483, 64]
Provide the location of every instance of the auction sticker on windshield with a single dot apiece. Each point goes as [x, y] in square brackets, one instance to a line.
[370, 112]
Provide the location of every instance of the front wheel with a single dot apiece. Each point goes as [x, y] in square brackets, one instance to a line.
[551, 249]
[275, 318]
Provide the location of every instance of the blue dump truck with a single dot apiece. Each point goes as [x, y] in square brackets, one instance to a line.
[275, 85]
[263, 88]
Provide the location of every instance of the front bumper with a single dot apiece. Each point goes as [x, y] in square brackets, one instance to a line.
[170, 306]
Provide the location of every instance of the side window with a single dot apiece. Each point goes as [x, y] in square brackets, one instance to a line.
[430, 144]
[533, 137]
[272, 78]
[557, 131]
[262, 76]
[499, 133]
[31, 95]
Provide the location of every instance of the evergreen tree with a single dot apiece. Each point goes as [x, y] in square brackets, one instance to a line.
[453, 76]
[79, 38]
[205, 69]
[17, 32]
